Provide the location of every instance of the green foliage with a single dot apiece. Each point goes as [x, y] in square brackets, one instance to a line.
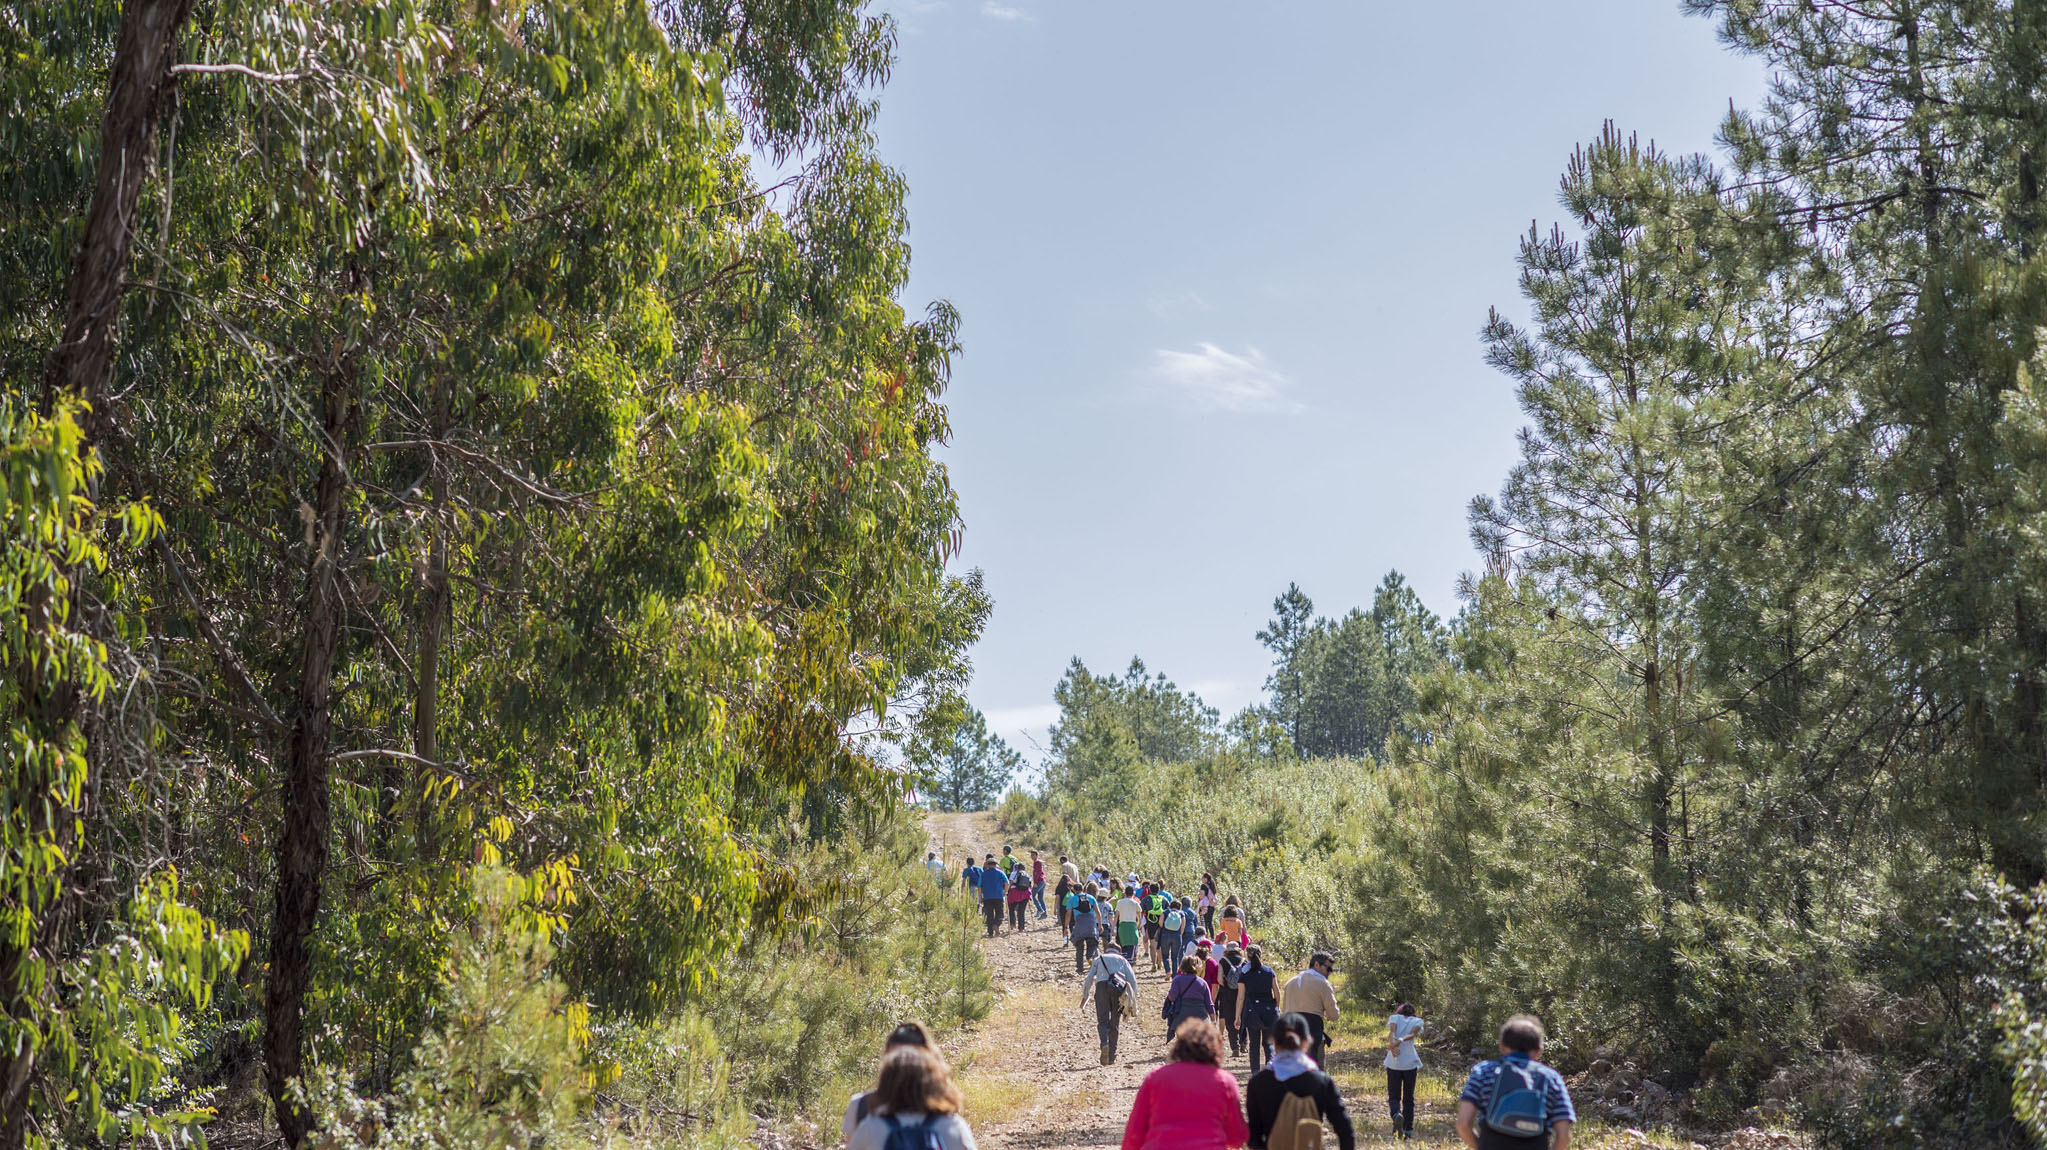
[961, 764]
[109, 1018]
[1340, 686]
[802, 1010]
[1108, 727]
[504, 1065]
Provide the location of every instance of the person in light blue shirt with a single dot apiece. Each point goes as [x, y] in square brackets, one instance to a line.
[1521, 1041]
[1403, 1065]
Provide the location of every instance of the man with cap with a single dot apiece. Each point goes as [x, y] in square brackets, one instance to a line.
[1309, 995]
[1231, 963]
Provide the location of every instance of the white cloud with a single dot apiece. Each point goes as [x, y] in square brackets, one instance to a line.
[994, 11]
[1216, 380]
[1167, 306]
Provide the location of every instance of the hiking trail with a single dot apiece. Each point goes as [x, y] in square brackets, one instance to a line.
[1031, 1071]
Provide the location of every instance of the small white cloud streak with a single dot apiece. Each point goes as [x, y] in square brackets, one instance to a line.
[1166, 306]
[994, 11]
[1216, 380]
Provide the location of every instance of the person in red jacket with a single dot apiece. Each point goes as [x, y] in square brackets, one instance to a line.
[1190, 1103]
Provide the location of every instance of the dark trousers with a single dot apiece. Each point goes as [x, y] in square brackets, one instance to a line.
[1320, 1040]
[1016, 913]
[1226, 1009]
[1208, 920]
[1258, 1039]
[1108, 1021]
[1084, 950]
[1400, 1097]
[991, 909]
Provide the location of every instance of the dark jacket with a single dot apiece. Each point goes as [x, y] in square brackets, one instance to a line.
[1263, 1094]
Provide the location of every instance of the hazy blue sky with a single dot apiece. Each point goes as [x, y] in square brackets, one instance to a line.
[1222, 269]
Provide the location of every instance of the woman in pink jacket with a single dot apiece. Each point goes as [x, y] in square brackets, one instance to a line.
[1190, 1103]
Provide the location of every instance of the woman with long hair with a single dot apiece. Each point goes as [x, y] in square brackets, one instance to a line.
[1188, 997]
[915, 1090]
[1190, 1103]
[1403, 1065]
[913, 1034]
[1293, 1073]
[1257, 1009]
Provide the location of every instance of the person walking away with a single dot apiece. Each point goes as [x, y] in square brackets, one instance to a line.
[1063, 899]
[1231, 927]
[1008, 859]
[1084, 934]
[1187, 997]
[1204, 953]
[994, 886]
[1129, 912]
[1172, 929]
[1291, 1102]
[936, 866]
[1190, 1103]
[970, 877]
[915, 1104]
[1019, 895]
[1070, 869]
[1232, 965]
[1403, 1065]
[1206, 903]
[1257, 1010]
[1114, 986]
[857, 1108]
[1516, 1102]
[1038, 884]
[1309, 995]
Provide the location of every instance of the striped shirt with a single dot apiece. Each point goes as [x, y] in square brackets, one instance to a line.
[1478, 1089]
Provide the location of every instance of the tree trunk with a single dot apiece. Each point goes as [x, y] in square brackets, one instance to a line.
[80, 364]
[302, 840]
[136, 86]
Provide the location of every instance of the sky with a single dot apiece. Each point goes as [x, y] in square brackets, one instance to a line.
[1222, 269]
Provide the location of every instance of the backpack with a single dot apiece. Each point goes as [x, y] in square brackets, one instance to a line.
[1174, 920]
[1298, 1126]
[1084, 905]
[919, 1137]
[1231, 971]
[1520, 1106]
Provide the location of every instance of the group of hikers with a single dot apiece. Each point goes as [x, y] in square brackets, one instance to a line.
[1221, 996]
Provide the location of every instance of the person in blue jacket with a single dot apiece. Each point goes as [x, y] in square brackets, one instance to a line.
[994, 885]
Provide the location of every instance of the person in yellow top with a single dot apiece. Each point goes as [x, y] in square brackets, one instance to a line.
[1309, 995]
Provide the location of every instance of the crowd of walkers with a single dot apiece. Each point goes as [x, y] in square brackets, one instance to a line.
[1221, 1002]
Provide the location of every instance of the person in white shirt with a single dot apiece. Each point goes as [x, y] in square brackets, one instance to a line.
[1109, 1007]
[936, 866]
[915, 1089]
[1310, 995]
[1129, 916]
[1403, 1065]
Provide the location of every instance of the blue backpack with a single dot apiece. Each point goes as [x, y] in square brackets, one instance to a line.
[919, 1137]
[1520, 1103]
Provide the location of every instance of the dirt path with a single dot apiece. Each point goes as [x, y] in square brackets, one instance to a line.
[1031, 1071]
